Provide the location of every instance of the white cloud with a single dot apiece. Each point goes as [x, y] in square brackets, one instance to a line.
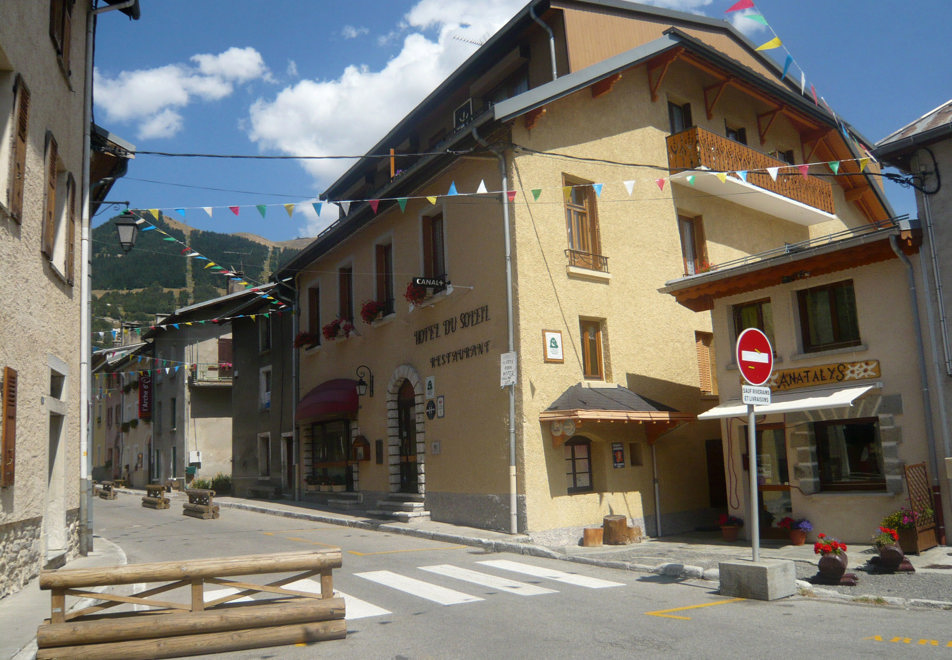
[151, 98]
[693, 6]
[292, 70]
[748, 27]
[351, 32]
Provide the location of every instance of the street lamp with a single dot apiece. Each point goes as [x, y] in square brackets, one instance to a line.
[362, 385]
[127, 227]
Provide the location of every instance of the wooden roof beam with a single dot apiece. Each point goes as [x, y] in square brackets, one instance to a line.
[533, 117]
[605, 85]
[769, 118]
[658, 69]
[717, 89]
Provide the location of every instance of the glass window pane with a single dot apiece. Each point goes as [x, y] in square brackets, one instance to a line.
[582, 480]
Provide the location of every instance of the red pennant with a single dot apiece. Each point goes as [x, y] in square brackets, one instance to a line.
[803, 170]
[511, 194]
[374, 203]
[813, 91]
[660, 183]
[742, 4]
[234, 209]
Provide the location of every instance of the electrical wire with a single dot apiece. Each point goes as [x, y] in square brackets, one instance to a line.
[169, 154]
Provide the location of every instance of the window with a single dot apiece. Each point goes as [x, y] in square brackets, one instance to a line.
[679, 116]
[693, 245]
[264, 334]
[581, 225]
[264, 455]
[264, 388]
[61, 18]
[578, 465]
[383, 258]
[756, 314]
[109, 417]
[704, 343]
[13, 140]
[785, 155]
[345, 296]
[434, 247]
[314, 313]
[59, 214]
[591, 332]
[850, 454]
[828, 317]
[172, 414]
[736, 134]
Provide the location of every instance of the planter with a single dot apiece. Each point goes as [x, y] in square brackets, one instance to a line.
[832, 566]
[797, 537]
[730, 532]
[325, 488]
[338, 488]
[890, 557]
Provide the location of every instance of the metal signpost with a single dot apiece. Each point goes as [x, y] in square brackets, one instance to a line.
[755, 361]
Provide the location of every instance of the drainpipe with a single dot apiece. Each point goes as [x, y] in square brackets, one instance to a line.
[504, 178]
[532, 14]
[924, 382]
[657, 490]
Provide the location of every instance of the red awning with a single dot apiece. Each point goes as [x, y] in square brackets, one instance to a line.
[332, 397]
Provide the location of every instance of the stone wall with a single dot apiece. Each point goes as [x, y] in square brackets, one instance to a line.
[20, 554]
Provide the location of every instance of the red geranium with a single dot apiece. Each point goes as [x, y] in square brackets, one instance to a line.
[826, 546]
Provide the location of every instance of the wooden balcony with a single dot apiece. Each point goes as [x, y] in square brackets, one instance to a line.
[696, 148]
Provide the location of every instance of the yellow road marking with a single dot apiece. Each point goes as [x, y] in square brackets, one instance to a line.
[391, 552]
[664, 613]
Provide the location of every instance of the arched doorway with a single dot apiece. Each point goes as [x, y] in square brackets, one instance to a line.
[406, 428]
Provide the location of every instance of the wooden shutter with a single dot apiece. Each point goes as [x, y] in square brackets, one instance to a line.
[49, 215]
[705, 360]
[428, 248]
[225, 354]
[71, 233]
[67, 33]
[700, 246]
[8, 446]
[18, 171]
[314, 311]
[380, 259]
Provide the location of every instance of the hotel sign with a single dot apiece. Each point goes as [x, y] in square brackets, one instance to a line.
[823, 374]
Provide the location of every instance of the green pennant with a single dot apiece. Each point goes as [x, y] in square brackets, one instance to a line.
[835, 166]
[169, 238]
[262, 209]
[756, 17]
[402, 201]
[535, 193]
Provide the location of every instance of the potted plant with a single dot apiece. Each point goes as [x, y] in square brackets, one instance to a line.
[305, 340]
[833, 559]
[730, 526]
[331, 330]
[797, 529]
[337, 483]
[889, 548]
[371, 310]
[415, 294]
[906, 523]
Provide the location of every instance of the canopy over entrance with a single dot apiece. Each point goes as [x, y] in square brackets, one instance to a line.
[337, 397]
[793, 402]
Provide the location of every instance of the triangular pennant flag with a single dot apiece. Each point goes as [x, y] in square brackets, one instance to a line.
[149, 228]
[234, 209]
[431, 200]
[181, 212]
[482, 187]
[813, 91]
[207, 210]
[192, 254]
[770, 45]
[722, 176]
[803, 82]
[772, 171]
[175, 325]
[786, 66]
[742, 175]
[756, 17]
[253, 318]
[535, 193]
[452, 190]
[629, 186]
[835, 166]
[374, 204]
[290, 209]
[691, 178]
[155, 213]
[317, 207]
[660, 183]
[167, 370]
[169, 238]
[863, 162]
[210, 264]
[566, 193]
[262, 209]
[803, 170]
[201, 258]
[402, 203]
[597, 187]
[741, 4]
[345, 207]
[511, 194]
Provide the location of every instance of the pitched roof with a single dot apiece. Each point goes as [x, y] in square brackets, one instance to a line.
[929, 127]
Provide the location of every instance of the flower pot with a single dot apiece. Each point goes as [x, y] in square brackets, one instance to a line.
[832, 566]
[730, 532]
[890, 557]
[338, 488]
[798, 537]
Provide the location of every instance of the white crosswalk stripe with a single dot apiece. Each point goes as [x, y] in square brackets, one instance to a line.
[355, 607]
[486, 580]
[418, 588]
[550, 574]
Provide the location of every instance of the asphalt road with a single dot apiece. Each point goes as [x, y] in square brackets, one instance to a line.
[415, 598]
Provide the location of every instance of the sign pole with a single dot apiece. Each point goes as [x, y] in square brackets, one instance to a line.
[752, 469]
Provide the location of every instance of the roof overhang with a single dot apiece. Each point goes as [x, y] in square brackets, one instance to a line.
[793, 402]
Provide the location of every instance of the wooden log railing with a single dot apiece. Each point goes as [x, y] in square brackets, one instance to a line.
[107, 491]
[201, 504]
[155, 497]
[170, 628]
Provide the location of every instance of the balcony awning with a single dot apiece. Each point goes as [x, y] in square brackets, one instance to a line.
[333, 397]
[792, 402]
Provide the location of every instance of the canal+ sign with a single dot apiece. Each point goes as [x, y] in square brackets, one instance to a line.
[754, 356]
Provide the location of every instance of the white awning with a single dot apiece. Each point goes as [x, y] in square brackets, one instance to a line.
[792, 402]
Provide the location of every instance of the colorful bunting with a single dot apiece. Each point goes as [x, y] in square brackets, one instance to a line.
[835, 166]
[481, 190]
[629, 186]
[786, 66]
[770, 45]
[317, 207]
[660, 183]
[181, 212]
[772, 171]
[511, 194]
[345, 206]
[535, 193]
[290, 209]
[863, 162]
[804, 169]
[374, 204]
[452, 190]
[757, 17]
[431, 200]
[402, 202]
[742, 175]
[741, 4]
[207, 210]
[234, 209]
[262, 209]
[722, 177]
[691, 179]
[597, 187]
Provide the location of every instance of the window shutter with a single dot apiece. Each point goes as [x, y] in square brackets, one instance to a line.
[705, 360]
[18, 171]
[71, 234]
[225, 354]
[49, 216]
[428, 248]
[67, 33]
[8, 447]
[381, 273]
[700, 244]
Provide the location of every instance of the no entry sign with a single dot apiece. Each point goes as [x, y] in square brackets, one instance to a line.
[754, 356]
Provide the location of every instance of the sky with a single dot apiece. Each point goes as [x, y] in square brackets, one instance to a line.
[330, 78]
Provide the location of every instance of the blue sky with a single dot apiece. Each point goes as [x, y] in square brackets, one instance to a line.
[324, 77]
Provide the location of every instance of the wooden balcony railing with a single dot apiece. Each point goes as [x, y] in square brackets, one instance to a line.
[696, 148]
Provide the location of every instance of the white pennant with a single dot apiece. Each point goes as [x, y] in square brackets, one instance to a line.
[482, 187]
[207, 210]
[345, 206]
[772, 171]
[629, 186]
[803, 82]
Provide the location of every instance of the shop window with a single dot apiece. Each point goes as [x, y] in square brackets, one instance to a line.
[264, 455]
[581, 225]
[434, 246]
[679, 117]
[755, 314]
[578, 465]
[345, 293]
[383, 258]
[59, 214]
[61, 28]
[693, 245]
[14, 131]
[591, 333]
[704, 344]
[828, 317]
[850, 455]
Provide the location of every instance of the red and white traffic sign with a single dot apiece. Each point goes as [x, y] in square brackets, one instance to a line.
[754, 356]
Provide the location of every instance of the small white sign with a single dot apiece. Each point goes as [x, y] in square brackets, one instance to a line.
[757, 396]
[507, 369]
[430, 390]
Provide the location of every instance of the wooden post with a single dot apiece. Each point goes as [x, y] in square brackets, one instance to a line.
[58, 605]
[592, 537]
[327, 584]
[616, 530]
[198, 595]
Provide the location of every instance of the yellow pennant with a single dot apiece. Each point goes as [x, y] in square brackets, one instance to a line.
[209, 264]
[290, 209]
[722, 176]
[253, 317]
[773, 43]
[863, 162]
[431, 200]
[155, 213]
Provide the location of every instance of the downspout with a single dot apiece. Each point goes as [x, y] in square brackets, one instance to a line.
[924, 383]
[532, 14]
[657, 490]
[295, 440]
[504, 178]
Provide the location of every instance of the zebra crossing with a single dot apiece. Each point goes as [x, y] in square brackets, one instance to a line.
[358, 608]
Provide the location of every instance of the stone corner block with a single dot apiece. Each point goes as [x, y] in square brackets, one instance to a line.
[767, 579]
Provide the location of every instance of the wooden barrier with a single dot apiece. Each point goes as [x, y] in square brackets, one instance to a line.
[197, 627]
[200, 504]
[107, 492]
[155, 497]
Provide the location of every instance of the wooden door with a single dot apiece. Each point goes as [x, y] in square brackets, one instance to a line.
[406, 415]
